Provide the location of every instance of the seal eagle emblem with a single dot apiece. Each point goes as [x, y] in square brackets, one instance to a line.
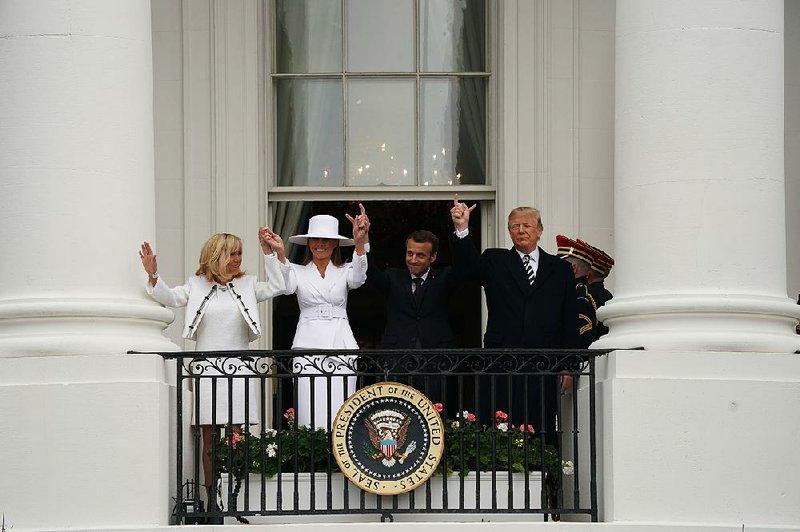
[387, 431]
[387, 438]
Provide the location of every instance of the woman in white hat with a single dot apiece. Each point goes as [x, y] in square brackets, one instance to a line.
[321, 283]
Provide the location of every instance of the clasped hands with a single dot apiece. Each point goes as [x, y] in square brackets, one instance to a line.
[271, 241]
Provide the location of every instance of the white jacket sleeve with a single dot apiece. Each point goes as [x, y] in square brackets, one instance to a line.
[290, 276]
[357, 274]
[169, 297]
[276, 278]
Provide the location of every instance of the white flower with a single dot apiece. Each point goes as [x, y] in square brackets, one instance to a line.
[519, 442]
[271, 433]
[464, 414]
[567, 467]
[455, 424]
[270, 449]
[502, 427]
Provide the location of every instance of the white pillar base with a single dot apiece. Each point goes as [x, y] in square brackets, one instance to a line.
[706, 322]
[707, 439]
[86, 441]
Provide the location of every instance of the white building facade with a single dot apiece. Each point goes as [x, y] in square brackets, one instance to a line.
[664, 132]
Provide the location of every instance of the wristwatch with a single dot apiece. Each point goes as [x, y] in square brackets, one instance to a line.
[153, 275]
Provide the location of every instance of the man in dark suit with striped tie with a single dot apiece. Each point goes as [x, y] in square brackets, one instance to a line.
[531, 303]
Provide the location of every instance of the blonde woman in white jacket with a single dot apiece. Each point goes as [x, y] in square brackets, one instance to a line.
[221, 303]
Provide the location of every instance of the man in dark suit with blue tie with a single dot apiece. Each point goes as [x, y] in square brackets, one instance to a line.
[531, 301]
[416, 296]
[417, 302]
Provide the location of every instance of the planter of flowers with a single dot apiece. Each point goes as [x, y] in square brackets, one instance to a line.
[473, 475]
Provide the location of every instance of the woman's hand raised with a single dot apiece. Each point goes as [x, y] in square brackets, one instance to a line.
[360, 229]
[149, 262]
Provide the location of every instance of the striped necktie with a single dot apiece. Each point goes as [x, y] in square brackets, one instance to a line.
[526, 261]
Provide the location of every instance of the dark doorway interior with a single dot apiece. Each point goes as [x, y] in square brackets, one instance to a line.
[391, 222]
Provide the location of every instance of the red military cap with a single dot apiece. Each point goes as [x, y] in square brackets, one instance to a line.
[602, 261]
[573, 248]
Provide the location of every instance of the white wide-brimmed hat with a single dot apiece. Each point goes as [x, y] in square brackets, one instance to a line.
[322, 226]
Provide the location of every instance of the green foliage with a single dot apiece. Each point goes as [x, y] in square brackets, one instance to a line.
[500, 447]
[299, 448]
[468, 447]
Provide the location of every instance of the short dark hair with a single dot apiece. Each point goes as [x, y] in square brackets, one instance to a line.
[421, 236]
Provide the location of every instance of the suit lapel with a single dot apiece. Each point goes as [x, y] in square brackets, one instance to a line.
[424, 287]
[517, 270]
[406, 282]
[545, 269]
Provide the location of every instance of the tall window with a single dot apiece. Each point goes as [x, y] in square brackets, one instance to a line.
[380, 92]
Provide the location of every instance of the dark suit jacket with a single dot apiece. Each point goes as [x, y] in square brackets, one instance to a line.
[539, 316]
[405, 320]
[521, 315]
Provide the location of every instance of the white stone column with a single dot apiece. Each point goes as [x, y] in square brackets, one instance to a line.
[698, 431]
[76, 178]
[699, 182]
[86, 436]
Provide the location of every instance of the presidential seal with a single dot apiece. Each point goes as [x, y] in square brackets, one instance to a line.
[388, 438]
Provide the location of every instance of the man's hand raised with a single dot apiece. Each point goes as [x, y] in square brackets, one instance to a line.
[460, 213]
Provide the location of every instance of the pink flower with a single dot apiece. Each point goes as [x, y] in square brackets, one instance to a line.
[530, 429]
[438, 407]
[289, 414]
[471, 417]
[500, 416]
[235, 439]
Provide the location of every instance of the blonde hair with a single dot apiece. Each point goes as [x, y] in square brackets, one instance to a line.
[216, 255]
[526, 211]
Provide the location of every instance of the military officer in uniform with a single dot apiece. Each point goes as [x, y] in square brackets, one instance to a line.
[580, 258]
[601, 267]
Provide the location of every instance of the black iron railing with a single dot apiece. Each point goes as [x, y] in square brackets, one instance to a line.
[512, 443]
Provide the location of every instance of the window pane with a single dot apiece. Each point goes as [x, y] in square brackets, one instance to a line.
[452, 35]
[309, 132]
[453, 131]
[381, 138]
[308, 36]
[380, 36]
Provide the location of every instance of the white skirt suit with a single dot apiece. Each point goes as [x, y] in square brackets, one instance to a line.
[223, 318]
[323, 324]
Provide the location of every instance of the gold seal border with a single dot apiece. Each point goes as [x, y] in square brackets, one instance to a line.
[367, 395]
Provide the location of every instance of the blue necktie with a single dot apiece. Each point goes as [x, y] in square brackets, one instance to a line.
[417, 288]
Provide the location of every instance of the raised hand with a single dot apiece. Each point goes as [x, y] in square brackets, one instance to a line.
[360, 228]
[149, 262]
[360, 224]
[460, 213]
